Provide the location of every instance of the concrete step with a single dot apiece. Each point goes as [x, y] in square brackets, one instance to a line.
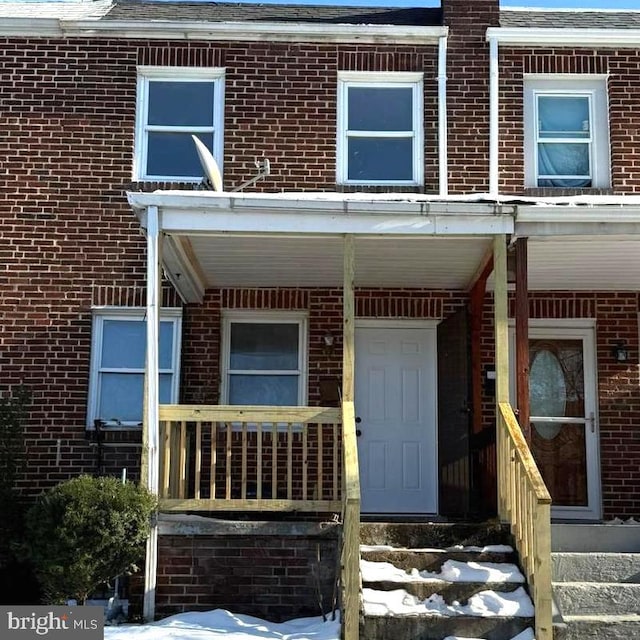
[612, 538]
[599, 627]
[439, 627]
[596, 598]
[433, 535]
[596, 567]
[431, 559]
[450, 591]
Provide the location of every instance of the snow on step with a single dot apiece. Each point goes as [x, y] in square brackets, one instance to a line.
[484, 604]
[451, 571]
[490, 548]
[527, 634]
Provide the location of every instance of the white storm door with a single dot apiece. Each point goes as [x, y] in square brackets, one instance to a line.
[395, 400]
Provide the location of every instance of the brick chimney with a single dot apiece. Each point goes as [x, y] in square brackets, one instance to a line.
[475, 14]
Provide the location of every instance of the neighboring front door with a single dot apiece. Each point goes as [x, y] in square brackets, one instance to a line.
[564, 429]
[395, 391]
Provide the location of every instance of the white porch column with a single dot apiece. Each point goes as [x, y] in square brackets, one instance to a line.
[152, 400]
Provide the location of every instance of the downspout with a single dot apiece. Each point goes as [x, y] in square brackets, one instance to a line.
[494, 117]
[152, 401]
[443, 160]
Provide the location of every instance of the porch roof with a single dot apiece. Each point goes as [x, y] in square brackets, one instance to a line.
[215, 239]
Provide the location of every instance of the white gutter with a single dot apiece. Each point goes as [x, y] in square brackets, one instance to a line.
[494, 118]
[443, 160]
[601, 38]
[230, 31]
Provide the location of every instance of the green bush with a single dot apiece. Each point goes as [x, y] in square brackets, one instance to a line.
[85, 532]
[13, 411]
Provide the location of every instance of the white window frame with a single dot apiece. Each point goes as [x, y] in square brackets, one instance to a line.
[265, 317]
[146, 74]
[382, 80]
[593, 87]
[99, 315]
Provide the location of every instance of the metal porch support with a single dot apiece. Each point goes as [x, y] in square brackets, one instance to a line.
[151, 434]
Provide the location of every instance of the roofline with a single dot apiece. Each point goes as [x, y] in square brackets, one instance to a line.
[235, 31]
[609, 38]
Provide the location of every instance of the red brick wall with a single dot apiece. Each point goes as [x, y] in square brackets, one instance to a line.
[272, 577]
[624, 107]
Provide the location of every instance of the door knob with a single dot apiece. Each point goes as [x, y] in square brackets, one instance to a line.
[358, 419]
[358, 433]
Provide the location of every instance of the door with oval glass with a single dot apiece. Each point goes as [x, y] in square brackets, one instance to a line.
[564, 429]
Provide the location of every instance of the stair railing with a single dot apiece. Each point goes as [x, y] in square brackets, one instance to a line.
[525, 502]
[350, 553]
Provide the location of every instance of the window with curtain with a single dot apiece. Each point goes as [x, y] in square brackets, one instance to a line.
[566, 141]
[118, 356]
[265, 360]
[380, 138]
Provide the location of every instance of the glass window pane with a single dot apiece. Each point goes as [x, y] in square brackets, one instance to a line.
[123, 344]
[380, 109]
[380, 159]
[264, 346]
[263, 390]
[121, 397]
[174, 154]
[558, 159]
[181, 103]
[563, 117]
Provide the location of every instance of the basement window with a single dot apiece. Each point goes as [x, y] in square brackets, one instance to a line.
[175, 103]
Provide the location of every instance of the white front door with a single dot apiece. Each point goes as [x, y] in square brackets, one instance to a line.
[395, 401]
[564, 424]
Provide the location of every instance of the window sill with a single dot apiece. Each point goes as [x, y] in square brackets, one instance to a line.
[555, 192]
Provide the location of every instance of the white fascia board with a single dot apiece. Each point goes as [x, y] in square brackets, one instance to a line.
[577, 221]
[600, 38]
[234, 31]
[224, 214]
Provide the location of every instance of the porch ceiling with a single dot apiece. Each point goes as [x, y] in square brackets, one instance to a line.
[312, 261]
[569, 263]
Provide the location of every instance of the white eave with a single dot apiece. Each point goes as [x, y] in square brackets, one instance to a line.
[231, 31]
[324, 214]
[599, 38]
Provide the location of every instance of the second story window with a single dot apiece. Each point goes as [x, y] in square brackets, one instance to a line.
[566, 133]
[174, 104]
[380, 133]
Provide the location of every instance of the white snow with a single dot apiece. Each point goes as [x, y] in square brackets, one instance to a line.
[224, 625]
[451, 571]
[484, 604]
[490, 548]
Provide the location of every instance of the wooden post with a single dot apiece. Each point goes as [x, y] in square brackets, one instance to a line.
[501, 324]
[522, 338]
[348, 336]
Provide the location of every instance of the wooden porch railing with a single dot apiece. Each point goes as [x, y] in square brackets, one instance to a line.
[350, 560]
[523, 500]
[250, 458]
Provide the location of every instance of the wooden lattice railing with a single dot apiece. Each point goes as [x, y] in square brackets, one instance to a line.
[250, 458]
[524, 501]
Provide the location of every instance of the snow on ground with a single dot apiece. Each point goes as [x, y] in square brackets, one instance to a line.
[484, 604]
[451, 571]
[224, 625]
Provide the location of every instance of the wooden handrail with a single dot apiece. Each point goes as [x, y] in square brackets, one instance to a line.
[351, 526]
[250, 458]
[524, 501]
